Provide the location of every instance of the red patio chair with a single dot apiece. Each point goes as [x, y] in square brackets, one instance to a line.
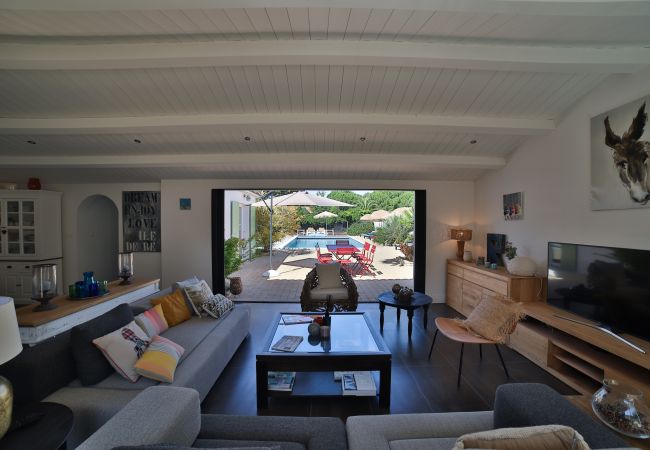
[323, 258]
[366, 259]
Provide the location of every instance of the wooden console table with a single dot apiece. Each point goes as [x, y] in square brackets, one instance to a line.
[37, 326]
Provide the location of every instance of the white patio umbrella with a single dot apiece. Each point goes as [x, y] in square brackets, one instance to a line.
[300, 198]
[325, 215]
[379, 215]
[365, 218]
[397, 212]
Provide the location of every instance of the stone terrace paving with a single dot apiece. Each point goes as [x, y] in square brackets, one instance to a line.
[389, 267]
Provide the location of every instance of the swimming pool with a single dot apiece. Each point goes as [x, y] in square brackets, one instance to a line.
[311, 242]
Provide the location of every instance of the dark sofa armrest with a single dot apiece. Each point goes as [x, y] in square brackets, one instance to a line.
[532, 404]
[315, 433]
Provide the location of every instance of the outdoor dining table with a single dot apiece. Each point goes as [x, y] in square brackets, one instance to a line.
[341, 251]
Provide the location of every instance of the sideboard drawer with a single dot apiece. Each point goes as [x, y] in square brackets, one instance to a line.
[455, 270]
[493, 284]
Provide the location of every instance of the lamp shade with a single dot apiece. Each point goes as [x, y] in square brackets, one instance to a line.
[10, 344]
[460, 234]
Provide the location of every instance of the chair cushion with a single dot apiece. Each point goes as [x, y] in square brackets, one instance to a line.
[91, 365]
[494, 317]
[549, 437]
[174, 307]
[329, 275]
[319, 293]
[123, 347]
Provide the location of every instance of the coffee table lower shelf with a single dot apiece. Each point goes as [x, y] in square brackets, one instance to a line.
[321, 384]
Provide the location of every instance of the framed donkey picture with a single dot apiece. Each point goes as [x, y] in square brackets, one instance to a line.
[620, 157]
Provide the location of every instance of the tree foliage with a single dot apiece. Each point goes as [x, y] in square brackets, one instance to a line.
[396, 230]
[232, 255]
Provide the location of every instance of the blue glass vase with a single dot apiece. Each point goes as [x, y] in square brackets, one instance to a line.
[90, 284]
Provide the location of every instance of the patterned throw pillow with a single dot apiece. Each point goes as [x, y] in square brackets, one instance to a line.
[174, 308]
[197, 294]
[123, 347]
[217, 305]
[152, 321]
[160, 360]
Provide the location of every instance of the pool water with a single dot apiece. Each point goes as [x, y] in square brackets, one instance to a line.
[310, 242]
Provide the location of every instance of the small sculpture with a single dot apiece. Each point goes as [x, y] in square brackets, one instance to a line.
[405, 295]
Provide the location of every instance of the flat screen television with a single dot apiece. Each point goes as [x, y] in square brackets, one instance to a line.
[608, 285]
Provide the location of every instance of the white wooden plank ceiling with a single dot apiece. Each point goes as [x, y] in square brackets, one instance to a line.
[321, 89]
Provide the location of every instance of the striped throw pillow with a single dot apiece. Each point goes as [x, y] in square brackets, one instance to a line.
[152, 321]
[160, 360]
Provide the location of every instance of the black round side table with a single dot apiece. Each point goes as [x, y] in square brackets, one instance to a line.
[418, 300]
[49, 432]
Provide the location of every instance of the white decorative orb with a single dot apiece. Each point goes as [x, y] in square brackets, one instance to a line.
[522, 266]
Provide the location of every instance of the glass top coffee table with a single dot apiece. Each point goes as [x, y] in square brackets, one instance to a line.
[354, 345]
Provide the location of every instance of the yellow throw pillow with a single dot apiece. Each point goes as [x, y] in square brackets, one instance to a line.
[160, 360]
[494, 317]
[174, 307]
[545, 437]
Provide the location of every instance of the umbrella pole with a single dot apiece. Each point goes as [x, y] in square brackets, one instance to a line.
[270, 273]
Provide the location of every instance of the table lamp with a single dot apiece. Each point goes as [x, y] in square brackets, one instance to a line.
[10, 346]
[461, 236]
[125, 267]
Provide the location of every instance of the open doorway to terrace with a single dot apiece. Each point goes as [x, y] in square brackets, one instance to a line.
[272, 239]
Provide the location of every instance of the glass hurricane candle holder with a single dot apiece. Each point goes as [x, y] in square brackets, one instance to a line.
[125, 263]
[622, 408]
[44, 285]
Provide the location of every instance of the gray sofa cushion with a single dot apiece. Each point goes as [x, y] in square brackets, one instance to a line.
[91, 365]
[248, 445]
[531, 404]
[176, 447]
[411, 431]
[158, 414]
[312, 433]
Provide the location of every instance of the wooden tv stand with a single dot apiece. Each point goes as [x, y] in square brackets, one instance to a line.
[579, 355]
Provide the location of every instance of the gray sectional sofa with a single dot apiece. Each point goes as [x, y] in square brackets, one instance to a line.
[209, 345]
[168, 415]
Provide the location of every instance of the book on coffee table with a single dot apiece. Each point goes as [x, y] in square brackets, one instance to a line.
[281, 381]
[359, 384]
[287, 343]
[292, 319]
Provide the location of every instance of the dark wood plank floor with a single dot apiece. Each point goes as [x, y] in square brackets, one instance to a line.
[418, 385]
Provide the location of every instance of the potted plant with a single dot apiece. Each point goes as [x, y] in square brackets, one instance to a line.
[518, 265]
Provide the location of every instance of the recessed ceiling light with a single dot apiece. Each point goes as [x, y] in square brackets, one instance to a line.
[31, 142]
[362, 139]
[247, 138]
[473, 141]
[137, 141]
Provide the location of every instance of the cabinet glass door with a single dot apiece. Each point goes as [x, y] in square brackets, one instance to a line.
[18, 230]
[3, 231]
[28, 232]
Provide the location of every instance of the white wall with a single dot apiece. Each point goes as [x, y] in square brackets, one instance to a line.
[186, 235]
[98, 236]
[553, 172]
[147, 265]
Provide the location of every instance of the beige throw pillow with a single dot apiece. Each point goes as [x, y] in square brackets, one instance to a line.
[494, 317]
[197, 294]
[546, 437]
[329, 275]
[123, 347]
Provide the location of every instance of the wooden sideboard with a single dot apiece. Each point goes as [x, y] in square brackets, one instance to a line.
[467, 282]
[37, 326]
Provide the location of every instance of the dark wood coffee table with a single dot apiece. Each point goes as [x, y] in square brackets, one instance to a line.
[419, 300]
[49, 432]
[354, 345]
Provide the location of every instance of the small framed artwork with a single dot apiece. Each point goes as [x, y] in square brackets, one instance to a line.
[185, 204]
[513, 206]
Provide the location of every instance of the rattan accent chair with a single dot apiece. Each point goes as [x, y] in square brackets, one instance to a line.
[307, 303]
